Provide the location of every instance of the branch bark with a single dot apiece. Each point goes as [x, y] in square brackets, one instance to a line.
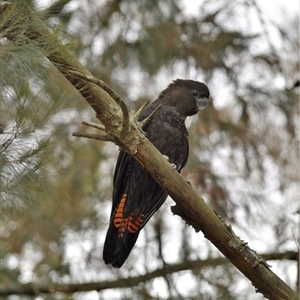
[35, 289]
[189, 205]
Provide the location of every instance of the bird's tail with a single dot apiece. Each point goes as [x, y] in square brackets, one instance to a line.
[118, 246]
[121, 236]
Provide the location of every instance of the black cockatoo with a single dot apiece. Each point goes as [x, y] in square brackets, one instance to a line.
[136, 195]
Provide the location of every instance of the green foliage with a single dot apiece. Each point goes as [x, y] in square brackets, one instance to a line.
[37, 170]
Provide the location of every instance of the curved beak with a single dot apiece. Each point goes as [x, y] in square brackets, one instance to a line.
[202, 103]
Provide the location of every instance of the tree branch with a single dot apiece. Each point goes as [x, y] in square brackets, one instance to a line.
[35, 289]
[188, 204]
[111, 93]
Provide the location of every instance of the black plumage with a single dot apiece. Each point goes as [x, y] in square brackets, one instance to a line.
[136, 195]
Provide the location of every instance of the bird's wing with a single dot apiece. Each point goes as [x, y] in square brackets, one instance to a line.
[136, 197]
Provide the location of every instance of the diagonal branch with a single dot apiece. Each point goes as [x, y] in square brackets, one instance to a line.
[188, 202]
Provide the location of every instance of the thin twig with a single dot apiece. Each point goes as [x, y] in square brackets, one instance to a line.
[141, 109]
[110, 92]
[91, 124]
[99, 137]
[146, 120]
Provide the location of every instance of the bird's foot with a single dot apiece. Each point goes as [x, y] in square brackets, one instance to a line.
[172, 164]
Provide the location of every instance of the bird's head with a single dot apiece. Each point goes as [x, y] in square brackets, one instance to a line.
[186, 96]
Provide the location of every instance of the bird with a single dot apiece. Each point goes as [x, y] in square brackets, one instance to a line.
[136, 195]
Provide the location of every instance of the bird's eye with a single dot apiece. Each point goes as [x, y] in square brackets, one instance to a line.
[195, 93]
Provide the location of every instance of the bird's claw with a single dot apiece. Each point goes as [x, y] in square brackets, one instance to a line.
[172, 164]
